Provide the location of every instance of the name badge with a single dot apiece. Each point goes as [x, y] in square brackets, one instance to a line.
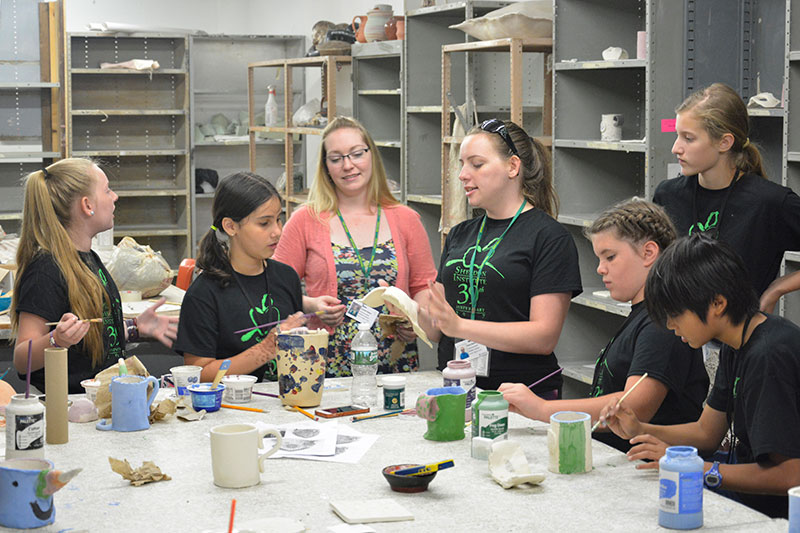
[360, 312]
[476, 353]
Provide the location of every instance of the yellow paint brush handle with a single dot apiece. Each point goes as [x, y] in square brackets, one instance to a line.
[223, 369]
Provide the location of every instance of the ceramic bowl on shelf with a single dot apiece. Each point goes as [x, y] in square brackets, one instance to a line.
[408, 484]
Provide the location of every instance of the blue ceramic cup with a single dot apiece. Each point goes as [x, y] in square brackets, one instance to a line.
[22, 505]
[794, 510]
[130, 405]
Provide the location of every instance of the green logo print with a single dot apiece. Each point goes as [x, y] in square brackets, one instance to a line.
[102, 277]
[711, 222]
[258, 316]
[735, 386]
[489, 248]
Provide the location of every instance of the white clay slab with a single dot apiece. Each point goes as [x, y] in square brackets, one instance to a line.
[363, 511]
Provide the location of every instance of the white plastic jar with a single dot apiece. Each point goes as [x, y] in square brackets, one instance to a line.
[25, 428]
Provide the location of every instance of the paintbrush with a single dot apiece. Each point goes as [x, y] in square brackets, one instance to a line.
[80, 320]
[367, 417]
[266, 394]
[551, 374]
[223, 368]
[422, 470]
[270, 324]
[167, 303]
[623, 397]
[123, 370]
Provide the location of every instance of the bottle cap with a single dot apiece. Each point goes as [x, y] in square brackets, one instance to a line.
[363, 326]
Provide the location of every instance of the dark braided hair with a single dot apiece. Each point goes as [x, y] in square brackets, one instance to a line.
[636, 221]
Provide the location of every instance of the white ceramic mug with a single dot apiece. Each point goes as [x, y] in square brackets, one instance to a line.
[235, 460]
[611, 127]
[794, 510]
[183, 376]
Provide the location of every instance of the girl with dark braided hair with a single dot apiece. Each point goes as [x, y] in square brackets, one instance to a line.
[627, 239]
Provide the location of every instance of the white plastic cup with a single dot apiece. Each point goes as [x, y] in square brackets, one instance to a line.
[91, 386]
[183, 376]
[794, 510]
[238, 388]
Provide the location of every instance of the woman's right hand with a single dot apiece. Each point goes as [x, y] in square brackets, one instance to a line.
[70, 330]
[332, 310]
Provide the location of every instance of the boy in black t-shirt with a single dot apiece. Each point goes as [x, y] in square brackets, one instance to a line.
[699, 288]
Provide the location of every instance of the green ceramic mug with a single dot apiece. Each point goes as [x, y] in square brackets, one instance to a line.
[443, 408]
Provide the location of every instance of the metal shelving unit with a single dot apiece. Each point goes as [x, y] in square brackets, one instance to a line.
[378, 100]
[31, 98]
[330, 66]
[219, 86]
[137, 124]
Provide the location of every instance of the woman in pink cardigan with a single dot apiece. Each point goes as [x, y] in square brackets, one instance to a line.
[351, 235]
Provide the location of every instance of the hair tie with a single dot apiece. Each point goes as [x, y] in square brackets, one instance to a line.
[746, 143]
[214, 227]
[45, 173]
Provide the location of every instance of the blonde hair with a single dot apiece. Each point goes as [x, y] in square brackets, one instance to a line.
[49, 197]
[535, 169]
[721, 110]
[322, 197]
[636, 221]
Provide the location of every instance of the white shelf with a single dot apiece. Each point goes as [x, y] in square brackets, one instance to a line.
[10, 216]
[600, 64]
[379, 92]
[136, 193]
[794, 257]
[580, 372]
[126, 112]
[150, 230]
[129, 153]
[576, 219]
[589, 299]
[26, 157]
[454, 7]
[388, 144]
[777, 112]
[430, 199]
[28, 85]
[128, 71]
[619, 146]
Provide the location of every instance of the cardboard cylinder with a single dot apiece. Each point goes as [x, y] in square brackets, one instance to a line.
[56, 385]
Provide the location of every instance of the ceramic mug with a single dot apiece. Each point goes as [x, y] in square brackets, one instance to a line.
[611, 127]
[443, 408]
[22, 505]
[235, 461]
[130, 405]
[569, 441]
[301, 366]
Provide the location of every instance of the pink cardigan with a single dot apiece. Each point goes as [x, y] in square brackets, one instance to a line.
[306, 246]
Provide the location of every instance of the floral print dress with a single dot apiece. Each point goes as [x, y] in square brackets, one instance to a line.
[350, 287]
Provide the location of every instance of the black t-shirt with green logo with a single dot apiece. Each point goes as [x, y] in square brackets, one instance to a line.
[43, 292]
[536, 256]
[642, 346]
[761, 219]
[210, 314]
[759, 386]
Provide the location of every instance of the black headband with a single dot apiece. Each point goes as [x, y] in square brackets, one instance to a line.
[45, 173]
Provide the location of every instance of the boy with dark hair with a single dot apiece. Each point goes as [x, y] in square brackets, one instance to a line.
[699, 287]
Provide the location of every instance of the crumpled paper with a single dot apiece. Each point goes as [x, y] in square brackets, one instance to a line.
[147, 473]
[186, 412]
[161, 410]
[103, 401]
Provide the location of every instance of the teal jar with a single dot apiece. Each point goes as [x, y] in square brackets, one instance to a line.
[490, 415]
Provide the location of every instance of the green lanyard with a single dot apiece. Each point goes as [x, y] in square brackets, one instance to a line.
[473, 289]
[368, 269]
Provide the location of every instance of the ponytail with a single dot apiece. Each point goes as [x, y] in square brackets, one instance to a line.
[721, 110]
[49, 196]
[236, 197]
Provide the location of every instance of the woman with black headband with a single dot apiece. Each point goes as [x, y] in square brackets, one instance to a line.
[506, 278]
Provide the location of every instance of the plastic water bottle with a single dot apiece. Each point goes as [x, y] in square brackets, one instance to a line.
[271, 108]
[364, 364]
[680, 488]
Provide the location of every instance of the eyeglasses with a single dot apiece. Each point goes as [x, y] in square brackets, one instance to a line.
[355, 156]
[494, 125]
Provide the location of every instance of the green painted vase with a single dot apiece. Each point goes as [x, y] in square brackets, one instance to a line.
[444, 409]
[569, 441]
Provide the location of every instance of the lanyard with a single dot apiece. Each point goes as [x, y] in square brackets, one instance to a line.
[604, 352]
[473, 283]
[730, 187]
[731, 407]
[364, 270]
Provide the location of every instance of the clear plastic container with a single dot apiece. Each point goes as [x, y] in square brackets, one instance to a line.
[271, 108]
[364, 365]
[680, 500]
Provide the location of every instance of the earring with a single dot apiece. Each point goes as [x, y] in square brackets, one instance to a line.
[91, 213]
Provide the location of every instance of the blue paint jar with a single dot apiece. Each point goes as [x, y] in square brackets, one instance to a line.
[680, 483]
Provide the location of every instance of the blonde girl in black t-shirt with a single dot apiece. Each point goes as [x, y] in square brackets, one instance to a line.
[506, 279]
[59, 278]
[627, 239]
[723, 191]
